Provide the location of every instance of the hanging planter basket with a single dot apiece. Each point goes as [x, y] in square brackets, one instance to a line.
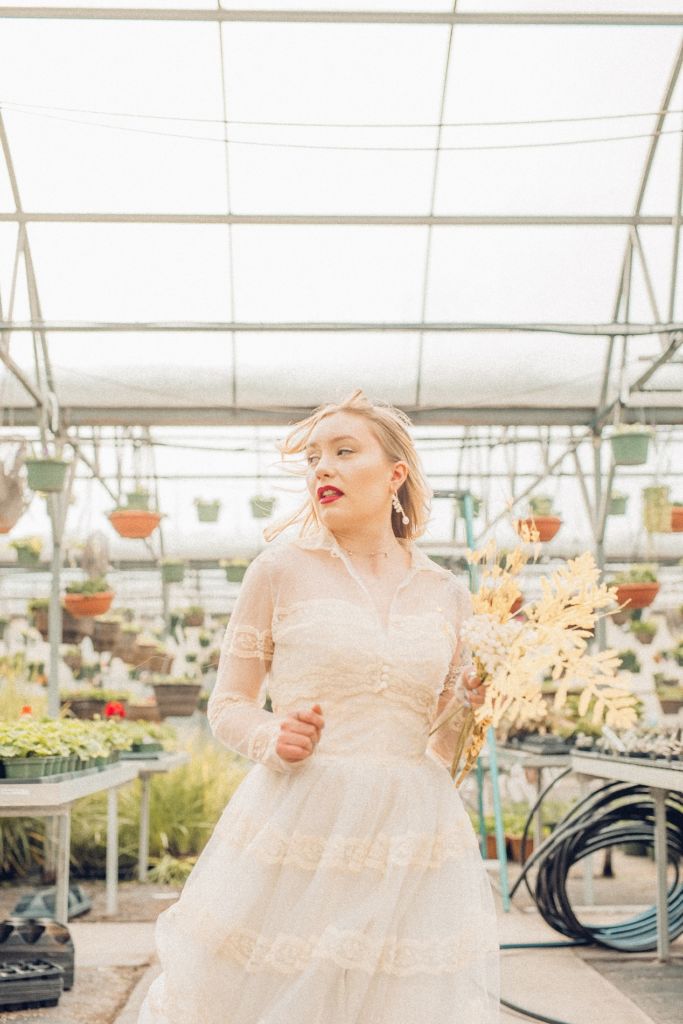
[677, 518]
[617, 505]
[134, 523]
[27, 558]
[83, 606]
[638, 595]
[173, 572]
[547, 526]
[234, 571]
[657, 510]
[630, 448]
[46, 474]
[207, 511]
[8, 522]
[261, 506]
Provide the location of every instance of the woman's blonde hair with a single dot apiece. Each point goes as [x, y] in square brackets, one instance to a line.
[391, 427]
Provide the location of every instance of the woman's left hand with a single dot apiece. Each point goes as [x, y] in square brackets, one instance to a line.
[476, 688]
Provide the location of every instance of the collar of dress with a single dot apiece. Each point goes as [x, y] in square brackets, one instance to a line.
[323, 538]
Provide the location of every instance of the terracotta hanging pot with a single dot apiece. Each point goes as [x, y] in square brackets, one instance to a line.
[85, 605]
[638, 595]
[547, 526]
[516, 605]
[134, 523]
[677, 518]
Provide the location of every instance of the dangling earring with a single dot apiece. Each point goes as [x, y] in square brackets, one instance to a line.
[398, 507]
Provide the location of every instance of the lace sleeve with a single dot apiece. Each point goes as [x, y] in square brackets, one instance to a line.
[235, 709]
[453, 699]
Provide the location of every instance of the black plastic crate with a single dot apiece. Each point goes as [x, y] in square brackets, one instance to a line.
[27, 984]
[42, 937]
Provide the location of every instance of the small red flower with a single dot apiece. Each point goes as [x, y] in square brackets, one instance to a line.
[27, 710]
[114, 707]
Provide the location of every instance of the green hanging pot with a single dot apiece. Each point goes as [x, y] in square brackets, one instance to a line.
[27, 558]
[208, 511]
[617, 505]
[630, 449]
[46, 474]
[262, 506]
[173, 572]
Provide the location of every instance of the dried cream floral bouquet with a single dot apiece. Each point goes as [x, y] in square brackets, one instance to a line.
[512, 656]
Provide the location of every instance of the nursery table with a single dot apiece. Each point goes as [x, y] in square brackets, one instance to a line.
[55, 800]
[147, 767]
[660, 779]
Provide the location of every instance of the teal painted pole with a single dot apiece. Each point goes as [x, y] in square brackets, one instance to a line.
[491, 745]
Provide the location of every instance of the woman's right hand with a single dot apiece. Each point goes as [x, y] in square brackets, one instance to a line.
[300, 734]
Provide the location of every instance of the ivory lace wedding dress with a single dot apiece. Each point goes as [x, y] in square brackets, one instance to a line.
[347, 888]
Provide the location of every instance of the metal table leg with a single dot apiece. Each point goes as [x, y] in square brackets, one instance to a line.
[112, 851]
[143, 845]
[659, 798]
[62, 874]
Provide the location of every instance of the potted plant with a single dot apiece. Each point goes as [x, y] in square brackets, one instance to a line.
[644, 630]
[176, 695]
[144, 710]
[89, 597]
[540, 504]
[670, 698]
[628, 661]
[656, 509]
[193, 616]
[630, 444]
[28, 551]
[38, 614]
[637, 587]
[133, 522]
[204, 638]
[139, 498]
[172, 570]
[235, 569]
[86, 702]
[207, 511]
[617, 504]
[262, 506]
[677, 517]
[106, 632]
[46, 473]
[73, 657]
[541, 517]
[4, 622]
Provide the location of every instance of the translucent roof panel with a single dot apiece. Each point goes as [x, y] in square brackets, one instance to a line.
[460, 193]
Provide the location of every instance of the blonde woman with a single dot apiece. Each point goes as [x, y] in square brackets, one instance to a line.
[343, 883]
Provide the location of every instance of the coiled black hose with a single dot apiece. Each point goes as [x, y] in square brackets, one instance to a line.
[611, 815]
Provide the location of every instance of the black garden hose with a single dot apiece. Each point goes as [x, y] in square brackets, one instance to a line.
[615, 813]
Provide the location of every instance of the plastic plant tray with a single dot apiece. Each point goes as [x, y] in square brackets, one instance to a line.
[647, 759]
[59, 777]
[41, 903]
[38, 937]
[30, 983]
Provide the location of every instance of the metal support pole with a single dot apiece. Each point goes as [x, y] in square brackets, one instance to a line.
[112, 863]
[62, 881]
[659, 799]
[143, 846]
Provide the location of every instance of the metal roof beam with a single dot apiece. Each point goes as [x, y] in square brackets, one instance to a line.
[348, 17]
[346, 220]
[307, 327]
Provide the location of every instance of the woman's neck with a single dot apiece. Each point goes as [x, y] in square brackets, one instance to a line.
[368, 540]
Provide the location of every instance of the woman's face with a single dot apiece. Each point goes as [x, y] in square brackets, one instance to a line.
[344, 454]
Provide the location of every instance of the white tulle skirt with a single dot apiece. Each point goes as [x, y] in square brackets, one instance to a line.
[351, 891]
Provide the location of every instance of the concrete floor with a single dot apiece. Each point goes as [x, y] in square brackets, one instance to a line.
[590, 985]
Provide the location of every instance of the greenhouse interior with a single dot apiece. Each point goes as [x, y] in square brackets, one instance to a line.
[224, 230]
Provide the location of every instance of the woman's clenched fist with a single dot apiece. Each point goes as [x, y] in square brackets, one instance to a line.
[300, 734]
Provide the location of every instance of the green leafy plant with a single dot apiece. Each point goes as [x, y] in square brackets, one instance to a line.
[32, 544]
[640, 573]
[93, 585]
[628, 661]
